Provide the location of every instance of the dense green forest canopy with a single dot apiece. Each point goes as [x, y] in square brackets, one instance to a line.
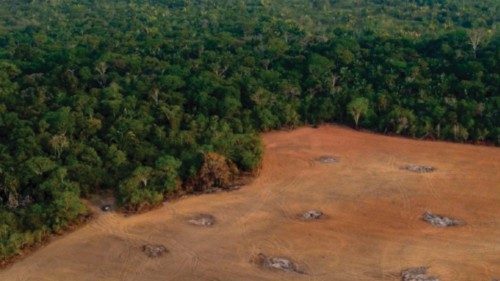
[139, 97]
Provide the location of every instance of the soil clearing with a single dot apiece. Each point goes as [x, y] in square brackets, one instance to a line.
[374, 229]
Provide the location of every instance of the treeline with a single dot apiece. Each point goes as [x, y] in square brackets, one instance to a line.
[152, 98]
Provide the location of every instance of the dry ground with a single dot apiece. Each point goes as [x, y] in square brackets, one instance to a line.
[372, 229]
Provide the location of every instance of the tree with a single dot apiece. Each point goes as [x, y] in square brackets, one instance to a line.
[101, 69]
[8, 71]
[402, 121]
[167, 173]
[37, 166]
[58, 143]
[135, 193]
[477, 37]
[358, 107]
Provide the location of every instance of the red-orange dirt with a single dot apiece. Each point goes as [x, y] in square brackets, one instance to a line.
[371, 228]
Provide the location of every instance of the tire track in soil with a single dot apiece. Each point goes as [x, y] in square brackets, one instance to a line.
[400, 185]
[270, 194]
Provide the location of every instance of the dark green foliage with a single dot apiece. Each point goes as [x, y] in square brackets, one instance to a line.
[132, 95]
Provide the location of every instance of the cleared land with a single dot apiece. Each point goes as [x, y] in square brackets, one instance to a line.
[371, 228]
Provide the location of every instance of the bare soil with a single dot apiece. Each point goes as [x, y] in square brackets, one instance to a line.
[373, 230]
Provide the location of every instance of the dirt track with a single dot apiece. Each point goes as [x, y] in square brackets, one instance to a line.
[371, 231]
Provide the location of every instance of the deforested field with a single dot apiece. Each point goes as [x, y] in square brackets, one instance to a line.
[371, 197]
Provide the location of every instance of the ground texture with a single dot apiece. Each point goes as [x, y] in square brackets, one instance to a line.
[372, 227]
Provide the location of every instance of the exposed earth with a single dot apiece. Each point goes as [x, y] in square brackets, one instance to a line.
[372, 228]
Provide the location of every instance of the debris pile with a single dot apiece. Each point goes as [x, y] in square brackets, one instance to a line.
[280, 263]
[203, 220]
[440, 221]
[154, 250]
[417, 274]
[419, 168]
[326, 159]
[312, 215]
